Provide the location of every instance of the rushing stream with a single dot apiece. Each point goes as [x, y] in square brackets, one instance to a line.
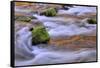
[26, 54]
[70, 28]
[33, 55]
[79, 10]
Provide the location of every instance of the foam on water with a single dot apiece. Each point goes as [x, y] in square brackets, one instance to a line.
[26, 54]
[39, 55]
[78, 9]
[55, 29]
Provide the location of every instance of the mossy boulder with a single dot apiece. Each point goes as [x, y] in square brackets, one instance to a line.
[39, 35]
[50, 12]
[24, 18]
[92, 21]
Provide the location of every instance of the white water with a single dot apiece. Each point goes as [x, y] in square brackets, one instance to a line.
[44, 55]
[26, 54]
[70, 28]
[78, 9]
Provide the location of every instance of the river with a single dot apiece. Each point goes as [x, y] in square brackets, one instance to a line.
[57, 27]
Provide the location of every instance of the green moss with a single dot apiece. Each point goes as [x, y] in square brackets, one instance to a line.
[50, 12]
[39, 35]
[24, 18]
[92, 21]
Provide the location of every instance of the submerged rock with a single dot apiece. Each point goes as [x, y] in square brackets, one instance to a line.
[67, 7]
[39, 35]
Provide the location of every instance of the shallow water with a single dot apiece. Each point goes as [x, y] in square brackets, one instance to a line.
[46, 54]
[28, 54]
[78, 10]
[56, 28]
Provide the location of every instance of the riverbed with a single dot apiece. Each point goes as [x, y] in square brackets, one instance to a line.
[72, 33]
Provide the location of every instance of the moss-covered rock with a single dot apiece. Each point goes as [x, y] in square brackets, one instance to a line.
[92, 21]
[39, 35]
[24, 18]
[50, 12]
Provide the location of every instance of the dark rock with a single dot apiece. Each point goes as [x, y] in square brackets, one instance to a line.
[67, 7]
[92, 21]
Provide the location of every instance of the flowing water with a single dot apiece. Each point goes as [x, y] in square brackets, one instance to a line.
[78, 10]
[70, 28]
[28, 54]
